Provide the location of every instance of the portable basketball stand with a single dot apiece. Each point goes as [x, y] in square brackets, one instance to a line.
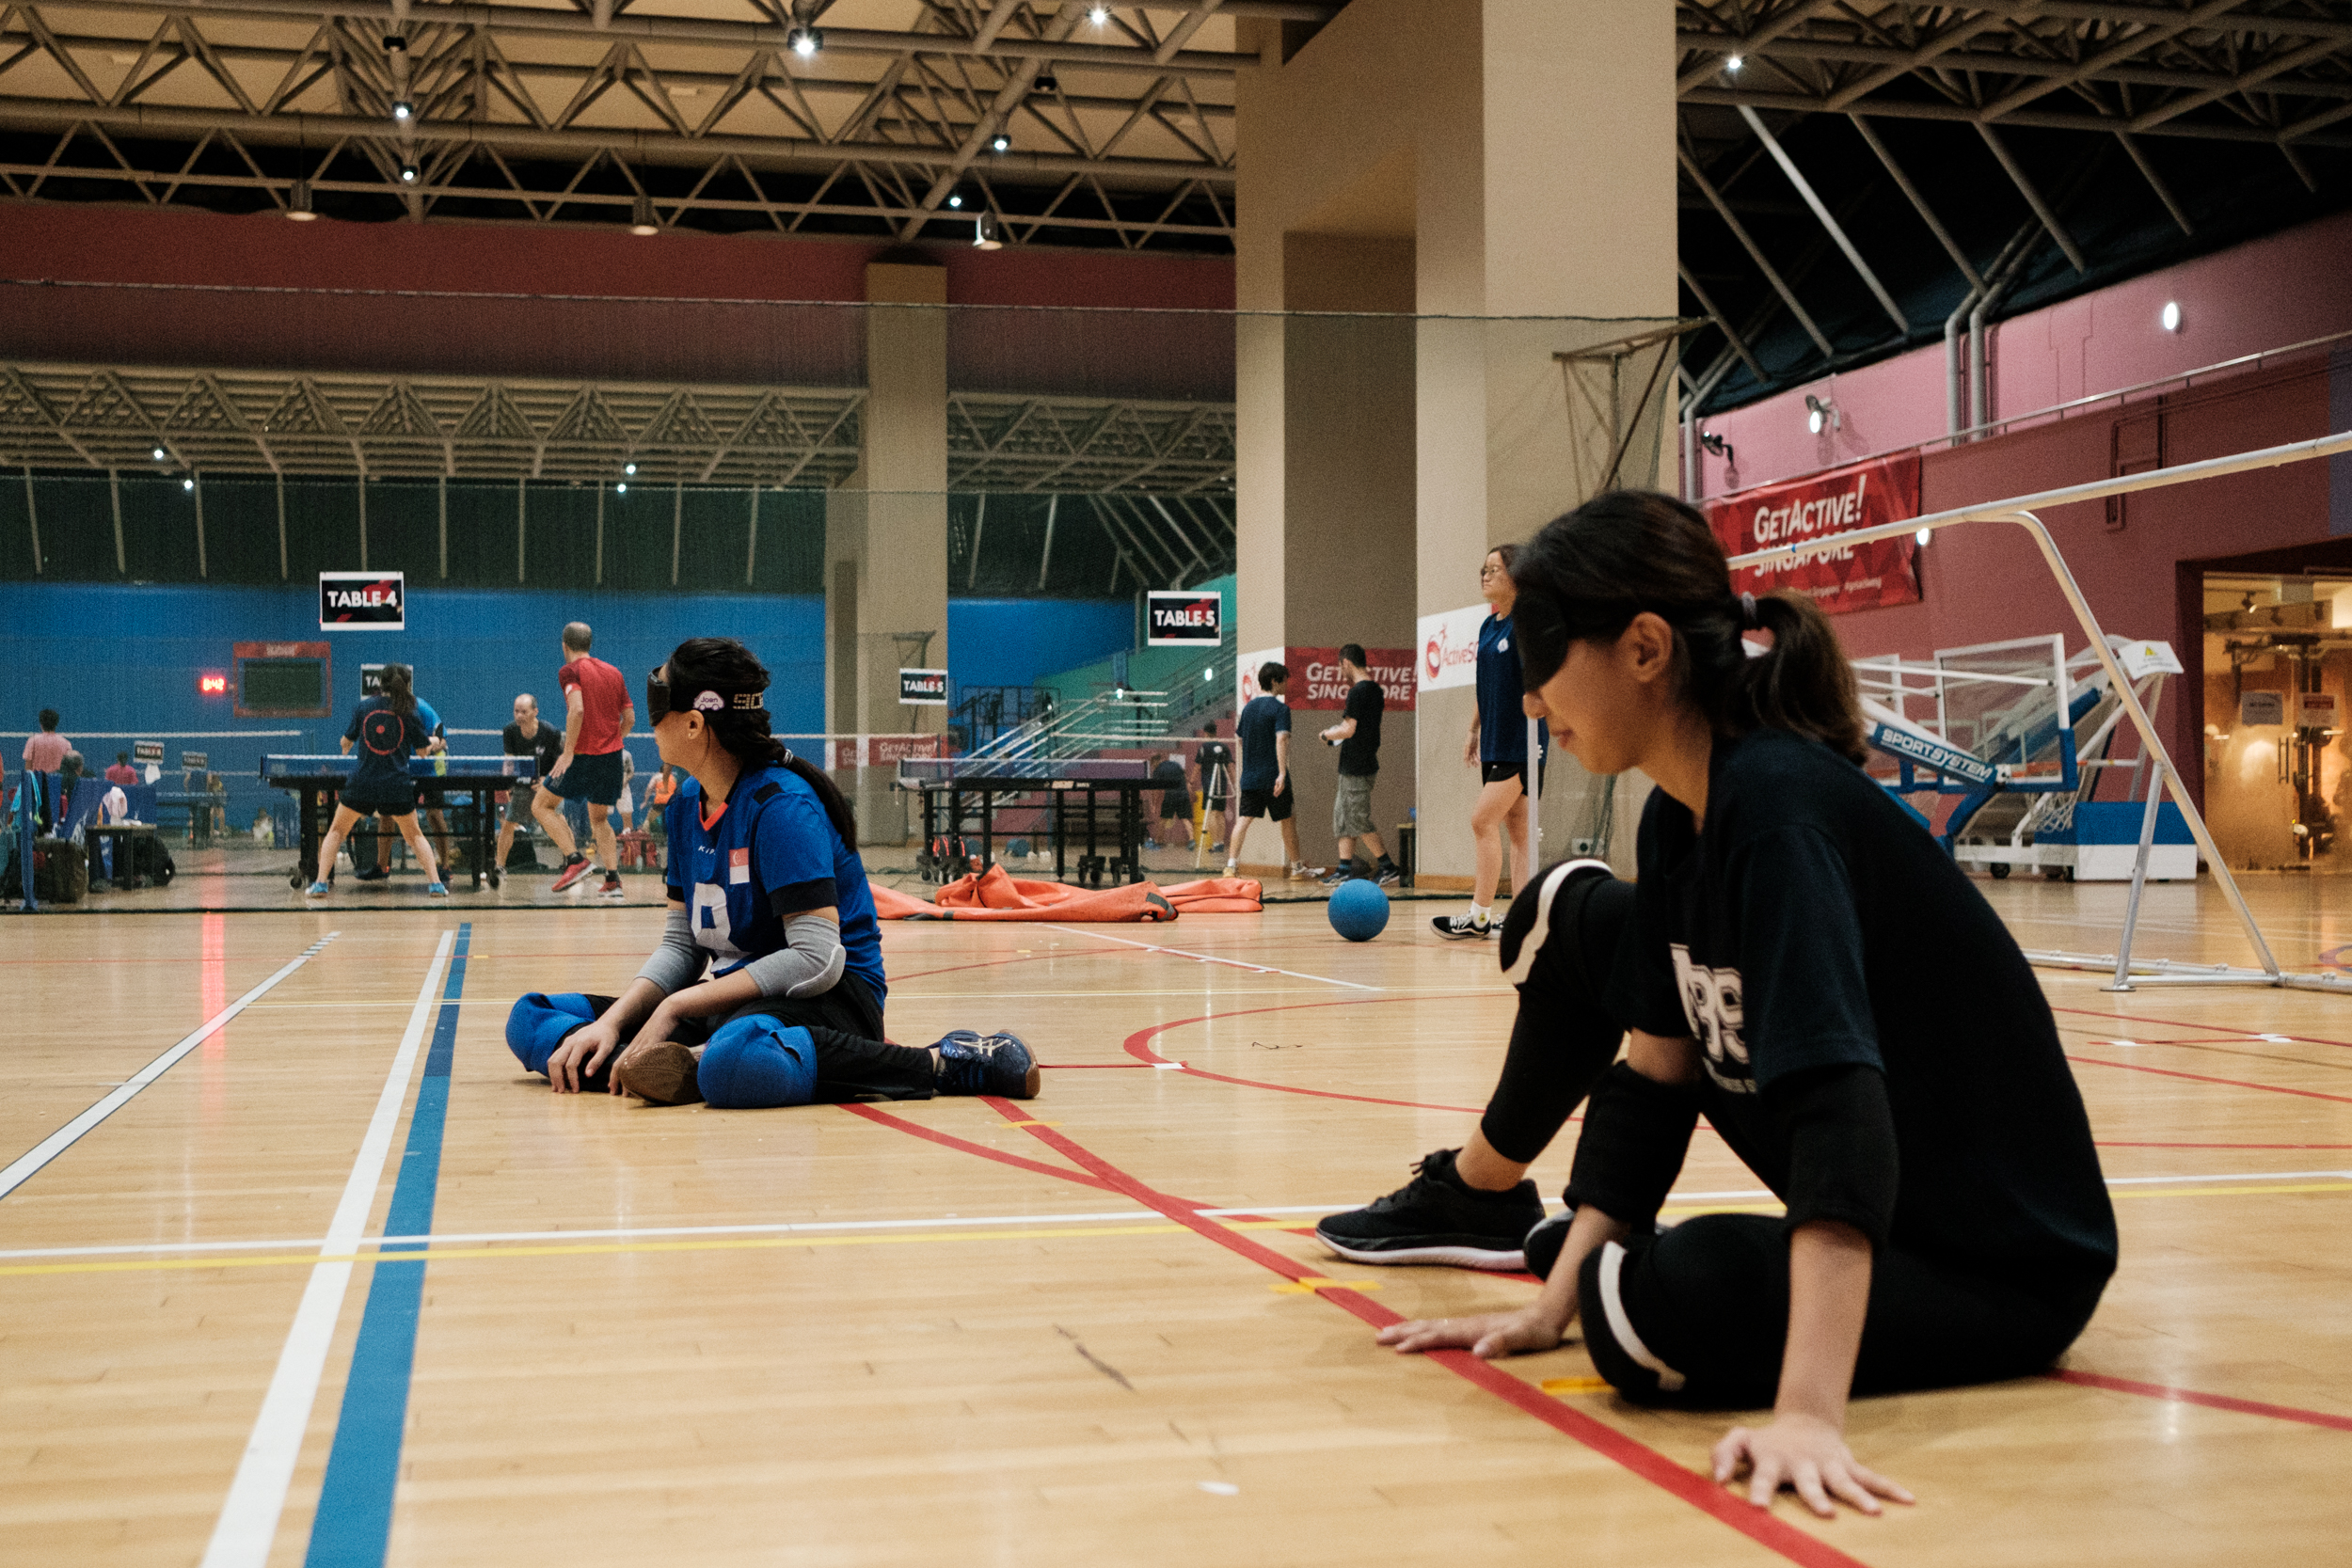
[2020, 511]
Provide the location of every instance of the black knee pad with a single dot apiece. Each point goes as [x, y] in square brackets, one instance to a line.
[1546, 921]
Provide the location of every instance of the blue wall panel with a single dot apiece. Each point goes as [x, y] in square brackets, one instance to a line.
[1013, 642]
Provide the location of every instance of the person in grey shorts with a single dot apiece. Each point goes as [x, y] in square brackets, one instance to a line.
[1358, 736]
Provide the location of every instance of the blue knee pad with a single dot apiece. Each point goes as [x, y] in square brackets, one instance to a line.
[756, 1062]
[538, 1023]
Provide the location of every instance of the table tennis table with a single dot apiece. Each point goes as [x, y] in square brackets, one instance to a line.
[960, 790]
[317, 780]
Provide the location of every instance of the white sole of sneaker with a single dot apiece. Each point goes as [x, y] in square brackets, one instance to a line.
[1450, 1256]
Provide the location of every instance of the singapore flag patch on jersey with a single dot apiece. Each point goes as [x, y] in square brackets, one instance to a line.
[738, 865]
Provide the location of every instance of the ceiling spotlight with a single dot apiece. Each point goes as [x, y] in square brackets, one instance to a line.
[1923, 536]
[641, 219]
[805, 41]
[299, 203]
[403, 112]
[629, 469]
[622, 488]
[188, 485]
[1821, 413]
[157, 454]
[395, 43]
[1734, 64]
[1046, 82]
[2171, 315]
[407, 174]
[985, 234]
[955, 199]
[1098, 14]
[1000, 143]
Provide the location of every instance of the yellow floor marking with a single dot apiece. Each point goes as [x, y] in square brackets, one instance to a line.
[1574, 1385]
[1310, 1286]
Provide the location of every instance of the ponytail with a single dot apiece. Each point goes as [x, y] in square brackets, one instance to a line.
[1585, 576]
[724, 662]
[399, 686]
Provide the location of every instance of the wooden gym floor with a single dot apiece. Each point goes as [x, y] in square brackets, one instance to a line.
[959, 1332]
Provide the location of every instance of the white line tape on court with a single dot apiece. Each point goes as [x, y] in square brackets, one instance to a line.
[29, 1165]
[1212, 958]
[249, 1519]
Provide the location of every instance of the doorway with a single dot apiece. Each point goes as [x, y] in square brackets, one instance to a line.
[2277, 665]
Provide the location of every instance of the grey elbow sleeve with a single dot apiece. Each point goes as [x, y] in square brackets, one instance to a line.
[677, 963]
[809, 964]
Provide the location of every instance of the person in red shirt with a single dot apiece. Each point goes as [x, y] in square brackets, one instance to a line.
[123, 772]
[597, 716]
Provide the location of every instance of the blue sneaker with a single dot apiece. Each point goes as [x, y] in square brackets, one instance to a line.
[437, 890]
[971, 1062]
[317, 889]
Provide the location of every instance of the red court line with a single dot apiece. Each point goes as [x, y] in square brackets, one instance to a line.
[1140, 1046]
[2182, 1024]
[2211, 1402]
[2203, 1078]
[1069, 1067]
[1759, 1525]
[951, 1141]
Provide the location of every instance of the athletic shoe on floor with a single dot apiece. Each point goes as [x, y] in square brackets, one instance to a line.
[437, 890]
[1389, 875]
[1301, 872]
[1459, 926]
[317, 889]
[665, 1074]
[1338, 875]
[575, 866]
[986, 1063]
[1543, 1244]
[612, 888]
[1435, 1218]
[372, 874]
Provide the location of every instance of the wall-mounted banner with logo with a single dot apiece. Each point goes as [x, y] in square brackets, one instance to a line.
[1839, 577]
[363, 601]
[1184, 618]
[1447, 650]
[1316, 681]
[923, 688]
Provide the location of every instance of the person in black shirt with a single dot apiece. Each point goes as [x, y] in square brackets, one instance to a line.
[388, 729]
[525, 737]
[1175, 828]
[1802, 964]
[1358, 736]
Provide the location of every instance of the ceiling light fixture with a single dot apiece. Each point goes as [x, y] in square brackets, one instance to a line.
[955, 199]
[1000, 143]
[1098, 14]
[805, 41]
[188, 485]
[403, 112]
[1734, 64]
[2170, 315]
[622, 488]
[1821, 413]
[985, 234]
[641, 219]
[629, 469]
[298, 206]
[1923, 536]
[394, 43]
[157, 454]
[407, 174]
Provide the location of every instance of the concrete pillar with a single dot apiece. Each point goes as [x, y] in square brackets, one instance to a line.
[887, 533]
[1515, 155]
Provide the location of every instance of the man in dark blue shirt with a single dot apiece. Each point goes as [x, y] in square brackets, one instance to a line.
[1264, 735]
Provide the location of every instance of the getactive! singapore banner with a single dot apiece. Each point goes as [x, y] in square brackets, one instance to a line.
[1839, 577]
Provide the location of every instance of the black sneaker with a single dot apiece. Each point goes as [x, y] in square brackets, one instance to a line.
[1388, 876]
[1434, 1218]
[1543, 1244]
[1338, 875]
[986, 1063]
[1457, 927]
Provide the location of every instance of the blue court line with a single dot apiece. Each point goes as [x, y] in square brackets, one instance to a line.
[354, 1523]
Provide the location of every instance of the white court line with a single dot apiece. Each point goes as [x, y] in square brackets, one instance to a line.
[249, 1519]
[1212, 959]
[942, 1222]
[29, 1163]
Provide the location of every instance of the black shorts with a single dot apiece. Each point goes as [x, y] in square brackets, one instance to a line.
[1505, 772]
[1264, 802]
[381, 801]
[595, 780]
[1175, 805]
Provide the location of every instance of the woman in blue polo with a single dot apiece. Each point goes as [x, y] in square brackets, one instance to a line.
[767, 988]
[1497, 747]
[387, 731]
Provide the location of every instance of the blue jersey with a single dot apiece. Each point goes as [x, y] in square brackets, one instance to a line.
[1260, 723]
[771, 854]
[384, 740]
[1501, 721]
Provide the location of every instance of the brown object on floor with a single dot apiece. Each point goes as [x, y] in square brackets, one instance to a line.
[663, 1074]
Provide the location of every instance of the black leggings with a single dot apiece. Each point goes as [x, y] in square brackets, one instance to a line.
[853, 1061]
[1698, 1314]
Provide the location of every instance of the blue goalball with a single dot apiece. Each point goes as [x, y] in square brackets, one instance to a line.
[1359, 911]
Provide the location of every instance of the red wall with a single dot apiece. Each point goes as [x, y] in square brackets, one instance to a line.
[653, 341]
[1982, 582]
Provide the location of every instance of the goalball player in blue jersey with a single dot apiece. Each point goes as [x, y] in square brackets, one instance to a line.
[767, 988]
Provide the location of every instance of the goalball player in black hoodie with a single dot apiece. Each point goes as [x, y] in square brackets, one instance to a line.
[1804, 966]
